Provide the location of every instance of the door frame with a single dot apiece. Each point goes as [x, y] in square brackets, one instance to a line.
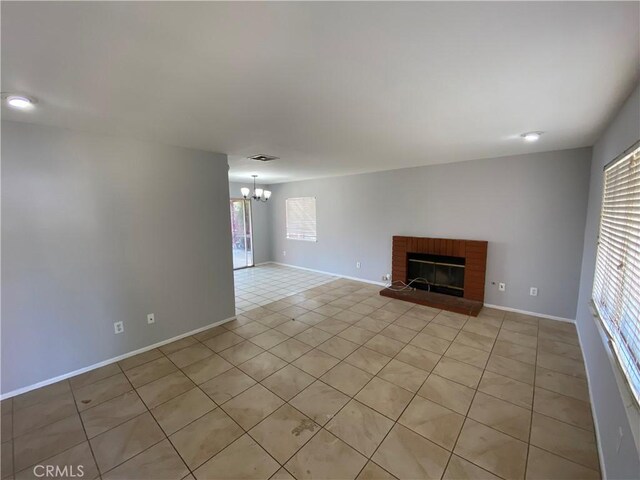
[246, 202]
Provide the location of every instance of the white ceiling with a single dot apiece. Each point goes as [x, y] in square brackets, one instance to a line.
[331, 88]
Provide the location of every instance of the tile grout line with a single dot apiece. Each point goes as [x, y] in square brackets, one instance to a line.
[214, 377]
[235, 366]
[75, 403]
[318, 379]
[274, 393]
[475, 392]
[396, 421]
[132, 389]
[148, 410]
[340, 360]
[533, 399]
[443, 355]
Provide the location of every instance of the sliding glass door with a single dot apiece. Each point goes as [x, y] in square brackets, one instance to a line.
[241, 234]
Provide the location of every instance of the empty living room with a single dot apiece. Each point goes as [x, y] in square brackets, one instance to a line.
[320, 240]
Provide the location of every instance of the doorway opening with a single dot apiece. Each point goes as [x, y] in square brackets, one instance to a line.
[241, 233]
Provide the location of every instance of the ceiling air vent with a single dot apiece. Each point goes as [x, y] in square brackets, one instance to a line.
[263, 158]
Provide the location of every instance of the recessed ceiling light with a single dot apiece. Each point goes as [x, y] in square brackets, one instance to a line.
[20, 102]
[531, 136]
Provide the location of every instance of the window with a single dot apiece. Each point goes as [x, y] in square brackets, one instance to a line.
[616, 285]
[301, 218]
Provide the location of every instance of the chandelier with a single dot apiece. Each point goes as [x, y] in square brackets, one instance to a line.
[259, 194]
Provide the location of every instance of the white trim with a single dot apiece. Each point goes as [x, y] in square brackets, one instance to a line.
[603, 466]
[526, 312]
[382, 284]
[49, 381]
[633, 414]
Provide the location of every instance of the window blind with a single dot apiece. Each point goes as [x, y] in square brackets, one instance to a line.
[616, 288]
[301, 218]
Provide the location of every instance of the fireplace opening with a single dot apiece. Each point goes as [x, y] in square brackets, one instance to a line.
[436, 273]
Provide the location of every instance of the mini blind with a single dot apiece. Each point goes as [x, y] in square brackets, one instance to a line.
[616, 287]
[301, 218]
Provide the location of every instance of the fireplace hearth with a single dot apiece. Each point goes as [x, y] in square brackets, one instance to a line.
[444, 273]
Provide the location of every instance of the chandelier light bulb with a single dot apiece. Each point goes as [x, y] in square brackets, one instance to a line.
[259, 194]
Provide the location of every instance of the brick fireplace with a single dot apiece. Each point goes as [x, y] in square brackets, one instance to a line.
[451, 272]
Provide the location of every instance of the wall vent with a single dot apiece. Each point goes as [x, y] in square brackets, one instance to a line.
[261, 157]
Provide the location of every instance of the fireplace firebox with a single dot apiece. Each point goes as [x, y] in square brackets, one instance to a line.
[436, 273]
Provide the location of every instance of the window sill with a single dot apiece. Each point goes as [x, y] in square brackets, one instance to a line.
[631, 408]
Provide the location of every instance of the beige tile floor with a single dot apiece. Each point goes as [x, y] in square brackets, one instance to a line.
[266, 283]
[335, 382]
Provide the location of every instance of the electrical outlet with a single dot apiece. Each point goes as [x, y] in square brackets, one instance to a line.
[386, 277]
[118, 327]
[284, 253]
[533, 291]
[357, 264]
[151, 318]
[502, 287]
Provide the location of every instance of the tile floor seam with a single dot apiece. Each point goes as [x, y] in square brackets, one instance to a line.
[33, 429]
[323, 427]
[488, 426]
[247, 433]
[191, 471]
[566, 423]
[285, 402]
[559, 454]
[13, 450]
[93, 455]
[282, 465]
[361, 297]
[101, 474]
[475, 391]
[396, 421]
[66, 449]
[148, 410]
[116, 426]
[558, 419]
[533, 398]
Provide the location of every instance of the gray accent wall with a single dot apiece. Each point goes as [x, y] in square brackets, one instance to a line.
[611, 417]
[261, 226]
[531, 208]
[97, 229]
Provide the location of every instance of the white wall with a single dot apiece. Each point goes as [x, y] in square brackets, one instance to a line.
[622, 133]
[531, 209]
[97, 229]
[261, 226]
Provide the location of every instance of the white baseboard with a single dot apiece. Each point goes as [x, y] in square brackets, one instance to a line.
[533, 314]
[49, 381]
[630, 405]
[382, 284]
[591, 404]
[339, 275]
